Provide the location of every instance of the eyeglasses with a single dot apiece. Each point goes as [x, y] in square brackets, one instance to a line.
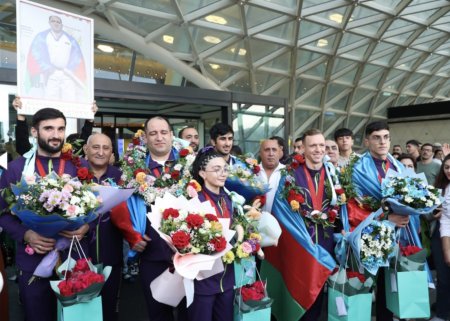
[380, 139]
[219, 170]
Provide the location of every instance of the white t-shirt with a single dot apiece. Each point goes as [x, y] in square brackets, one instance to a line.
[273, 182]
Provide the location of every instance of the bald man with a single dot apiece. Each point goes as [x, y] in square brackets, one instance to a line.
[105, 240]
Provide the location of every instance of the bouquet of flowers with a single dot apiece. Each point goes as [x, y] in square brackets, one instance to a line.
[373, 242]
[295, 196]
[409, 193]
[253, 297]
[410, 258]
[248, 237]
[51, 204]
[82, 283]
[350, 282]
[198, 238]
[137, 175]
[244, 178]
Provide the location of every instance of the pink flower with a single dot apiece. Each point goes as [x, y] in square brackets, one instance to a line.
[246, 247]
[191, 191]
[30, 180]
[68, 188]
[71, 210]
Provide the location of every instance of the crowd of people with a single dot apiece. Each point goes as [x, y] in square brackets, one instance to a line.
[322, 160]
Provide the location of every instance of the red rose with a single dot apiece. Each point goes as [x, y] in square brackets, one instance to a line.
[170, 212]
[65, 288]
[262, 199]
[332, 214]
[219, 243]
[299, 159]
[175, 174]
[81, 265]
[253, 292]
[354, 274]
[136, 141]
[83, 173]
[194, 220]
[409, 250]
[76, 161]
[211, 217]
[256, 169]
[184, 152]
[294, 165]
[139, 170]
[181, 239]
[340, 191]
[66, 156]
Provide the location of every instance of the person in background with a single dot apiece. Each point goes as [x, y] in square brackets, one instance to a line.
[439, 154]
[426, 164]
[236, 150]
[190, 134]
[222, 138]
[395, 155]
[413, 148]
[105, 240]
[332, 150]
[23, 143]
[408, 161]
[397, 149]
[298, 146]
[213, 296]
[285, 157]
[270, 151]
[344, 139]
[440, 245]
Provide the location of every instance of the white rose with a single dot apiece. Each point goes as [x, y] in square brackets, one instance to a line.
[408, 199]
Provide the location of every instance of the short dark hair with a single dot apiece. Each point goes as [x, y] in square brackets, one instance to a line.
[157, 117]
[376, 126]
[427, 144]
[45, 114]
[220, 129]
[396, 146]
[413, 142]
[298, 139]
[282, 143]
[341, 132]
[407, 156]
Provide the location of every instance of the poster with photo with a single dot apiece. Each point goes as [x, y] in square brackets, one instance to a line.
[55, 60]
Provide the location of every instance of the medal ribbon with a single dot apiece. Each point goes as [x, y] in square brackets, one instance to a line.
[316, 196]
[221, 208]
[40, 167]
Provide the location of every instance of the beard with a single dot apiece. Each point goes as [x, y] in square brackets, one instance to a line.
[49, 148]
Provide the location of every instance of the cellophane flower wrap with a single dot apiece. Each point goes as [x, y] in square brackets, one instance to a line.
[135, 172]
[409, 193]
[373, 242]
[244, 178]
[198, 240]
[409, 258]
[82, 283]
[350, 282]
[51, 204]
[252, 297]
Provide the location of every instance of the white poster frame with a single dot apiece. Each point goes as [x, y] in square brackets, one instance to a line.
[61, 77]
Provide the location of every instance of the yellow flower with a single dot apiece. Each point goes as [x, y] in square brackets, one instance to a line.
[140, 177]
[216, 226]
[195, 185]
[66, 147]
[255, 236]
[343, 198]
[228, 258]
[139, 133]
[295, 205]
[240, 253]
